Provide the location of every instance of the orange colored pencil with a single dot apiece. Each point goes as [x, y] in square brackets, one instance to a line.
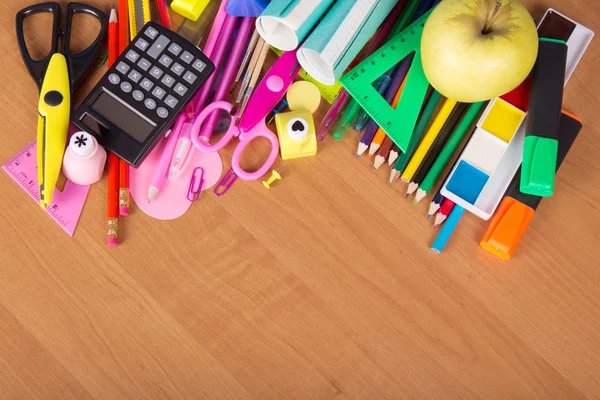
[123, 166]
[113, 161]
[380, 135]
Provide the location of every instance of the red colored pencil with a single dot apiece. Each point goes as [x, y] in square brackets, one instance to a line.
[113, 160]
[445, 210]
[123, 166]
[163, 14]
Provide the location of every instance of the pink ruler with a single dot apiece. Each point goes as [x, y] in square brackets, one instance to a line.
[66, 206]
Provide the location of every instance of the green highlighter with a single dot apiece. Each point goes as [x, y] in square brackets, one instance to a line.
[543, 120]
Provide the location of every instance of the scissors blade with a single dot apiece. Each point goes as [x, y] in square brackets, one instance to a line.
[53, 125]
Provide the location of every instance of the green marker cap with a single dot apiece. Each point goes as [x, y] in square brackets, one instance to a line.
[539, 166]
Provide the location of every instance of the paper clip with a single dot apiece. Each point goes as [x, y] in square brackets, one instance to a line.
[225, 183]
[194, 194]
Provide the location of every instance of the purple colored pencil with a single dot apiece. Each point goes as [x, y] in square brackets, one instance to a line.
[399, 73]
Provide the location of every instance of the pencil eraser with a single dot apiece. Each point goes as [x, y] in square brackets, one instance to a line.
[124, 211]
[112, 242]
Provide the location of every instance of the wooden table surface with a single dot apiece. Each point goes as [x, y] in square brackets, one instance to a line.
[322, 287]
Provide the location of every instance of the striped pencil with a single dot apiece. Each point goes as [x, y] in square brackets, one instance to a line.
[445, 210]
[123, 166]
[436, 148]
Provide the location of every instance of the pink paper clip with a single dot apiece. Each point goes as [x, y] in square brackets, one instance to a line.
[193, 193]
[225, 183]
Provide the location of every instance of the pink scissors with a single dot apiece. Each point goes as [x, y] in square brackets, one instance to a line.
[245, 137]
[251, 124]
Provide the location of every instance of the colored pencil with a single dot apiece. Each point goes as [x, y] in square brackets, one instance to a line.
[422, 123]
[394, 154]
[163, 14]
[436, 148]
[445, 210]
[436, 203]
[446, 232]
[383, 152]
[449, 150]
[112, 213]
[123, 166]
[428, 140]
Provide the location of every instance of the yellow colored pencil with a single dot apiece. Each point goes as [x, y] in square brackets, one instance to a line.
[428, 140]
[380, 134]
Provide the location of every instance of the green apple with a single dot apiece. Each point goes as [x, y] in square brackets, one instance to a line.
[475, 50]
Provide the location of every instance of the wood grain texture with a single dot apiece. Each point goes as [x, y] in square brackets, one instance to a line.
[322, 287]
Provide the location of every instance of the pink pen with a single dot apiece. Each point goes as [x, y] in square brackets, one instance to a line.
[165, 159]
[270, 90]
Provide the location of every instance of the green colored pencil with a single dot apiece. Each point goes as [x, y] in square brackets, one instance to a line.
[451, 146]
[422, 123]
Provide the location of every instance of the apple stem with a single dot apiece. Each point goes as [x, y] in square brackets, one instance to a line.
[489, 22]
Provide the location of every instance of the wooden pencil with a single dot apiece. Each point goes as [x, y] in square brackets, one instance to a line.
[383, 152]
[123, 166]
[445, 210]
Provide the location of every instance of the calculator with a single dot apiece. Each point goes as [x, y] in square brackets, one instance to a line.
[142, 94]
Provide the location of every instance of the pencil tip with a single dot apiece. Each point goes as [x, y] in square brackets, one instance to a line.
[407, 195]
[428, 216]
[415, 203]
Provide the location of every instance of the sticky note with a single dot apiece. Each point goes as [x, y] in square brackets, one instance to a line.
[503, 120]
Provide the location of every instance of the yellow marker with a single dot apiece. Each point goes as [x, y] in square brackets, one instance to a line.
[428, 140]
[139, 15]
[190, 9]
[54, 110]
[275, 176]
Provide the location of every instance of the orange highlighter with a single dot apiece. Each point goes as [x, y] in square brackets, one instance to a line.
[517, 209]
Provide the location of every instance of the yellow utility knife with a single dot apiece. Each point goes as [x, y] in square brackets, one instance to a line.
[56, 75]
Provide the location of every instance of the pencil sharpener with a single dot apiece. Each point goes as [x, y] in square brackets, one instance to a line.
[84, 159]
[297, 134]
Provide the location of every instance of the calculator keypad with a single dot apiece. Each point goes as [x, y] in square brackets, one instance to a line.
[155, 76]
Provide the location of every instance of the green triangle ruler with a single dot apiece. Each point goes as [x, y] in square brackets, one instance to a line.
[399, 123]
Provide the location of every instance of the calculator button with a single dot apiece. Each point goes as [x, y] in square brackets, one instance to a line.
[132, 56]
[141, 44]
[159, 93]
[162, 112]
[199, 66]
[187, 57]
[151, 32]
[168, 80]
[156, 72]
[147, 84]
[122, 67]
[159, 46]
[134, 76]
[171, 101]
[114, 79]
[180, 89]
[150, 104]
[190, 77]
[126, 87]
[165, 60]
[138, 95]
[175, 49]
[177, 68]
[144, 64]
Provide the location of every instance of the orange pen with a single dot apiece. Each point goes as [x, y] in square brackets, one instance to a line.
[380, 135]
[113, 160]
[123, 166]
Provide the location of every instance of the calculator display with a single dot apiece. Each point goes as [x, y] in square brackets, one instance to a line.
[123, 117]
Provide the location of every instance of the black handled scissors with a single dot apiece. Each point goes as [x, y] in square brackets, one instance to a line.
[56, 76]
